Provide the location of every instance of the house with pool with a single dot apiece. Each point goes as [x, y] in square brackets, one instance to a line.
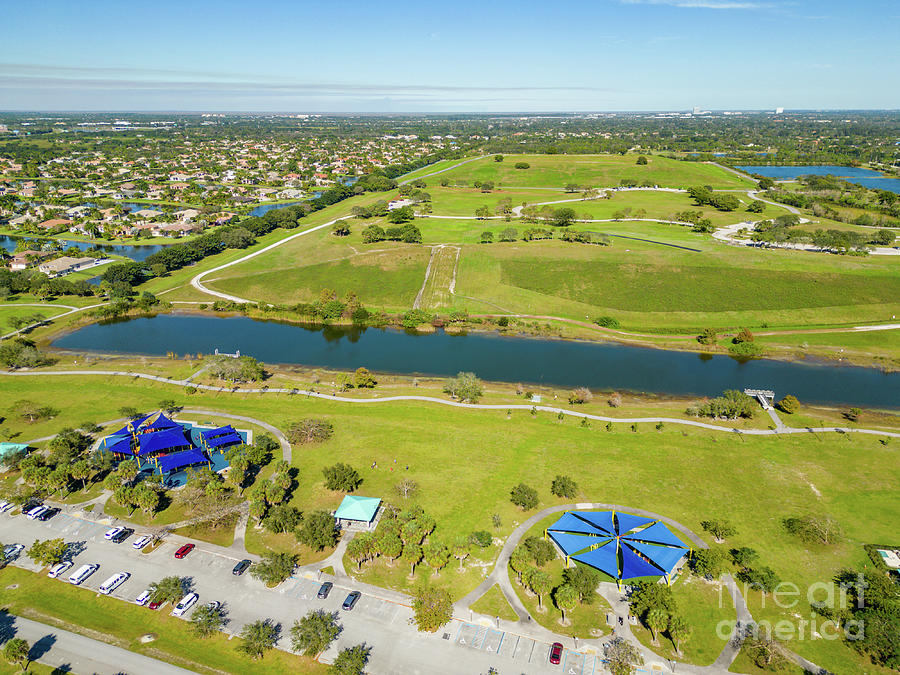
[171, 448]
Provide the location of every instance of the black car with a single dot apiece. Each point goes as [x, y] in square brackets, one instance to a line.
[240, 568]
[122, 536]
[351, 600]
[48, 514]
[324, 590]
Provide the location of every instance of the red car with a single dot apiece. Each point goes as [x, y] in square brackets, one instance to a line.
[556, 650]
[183, 551]
[154, 605]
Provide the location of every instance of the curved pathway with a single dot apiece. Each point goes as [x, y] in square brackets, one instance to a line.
[72, 310]
[197, 282]
[435, 173]
[442, 401]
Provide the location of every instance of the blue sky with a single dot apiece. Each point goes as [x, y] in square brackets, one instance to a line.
[468, 56]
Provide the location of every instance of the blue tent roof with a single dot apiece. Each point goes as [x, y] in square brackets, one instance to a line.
[157, 421]
[162, 440]
[207, 434]
[664, 557]
[635, 566]
[573, 543]
[569, 522]
[628, 522]
[603, 559]
[656, 534]
[601, 519]
[231, 439]
[180, 459]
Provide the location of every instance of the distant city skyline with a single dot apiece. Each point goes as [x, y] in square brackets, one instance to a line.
[605, 55]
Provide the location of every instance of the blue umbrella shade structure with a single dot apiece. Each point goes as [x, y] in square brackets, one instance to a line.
[622, 545]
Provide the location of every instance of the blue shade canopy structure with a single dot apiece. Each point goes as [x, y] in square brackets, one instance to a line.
[162, 441]
[178, 460]
[622, 545]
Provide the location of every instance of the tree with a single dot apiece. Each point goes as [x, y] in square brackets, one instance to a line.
[498, 158]
[359, 550]
[241, 369]
[412, 554]
[646, 596]
[744, 556]
[32, 411]
[258, 637]
[580, 395]
[487, 237]
[167, 589]
[351, 661]
[363, 379]
[719, 529]
[15, 651]
[83, 471]
[465, 386]
[656, 619]
[406, 488]
[391, 546]
[622, 657]
[145, 497]
[460, 550]
[789, 404]
[708, 562]
[519, 561]
[584, 580]
[763, 579]
[341, 477]
[708, 336]
[540, 583]
[564, 486]
[207, 620]
[641, 160]
[312, 634]
[540, 550]
[566, 598]
[744, 335]
[524, 497]
[274, 567]
[483, 212]
[766, 653]
[679, 630]
[282, 518]
[48, 552]
[814, 529]
[432, 608]
[436, 556]
[310, 430]
[318, 530]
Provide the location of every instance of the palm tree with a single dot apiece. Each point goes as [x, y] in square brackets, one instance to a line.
[657, 619]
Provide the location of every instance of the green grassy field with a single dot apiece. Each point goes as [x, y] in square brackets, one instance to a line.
[493, 603]
[555, 171]
[689, 475]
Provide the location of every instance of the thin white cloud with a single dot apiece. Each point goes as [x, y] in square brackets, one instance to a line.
[702, 4]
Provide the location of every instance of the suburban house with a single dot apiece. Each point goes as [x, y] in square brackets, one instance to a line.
[25, 259]
[53, 223]
[65, 265]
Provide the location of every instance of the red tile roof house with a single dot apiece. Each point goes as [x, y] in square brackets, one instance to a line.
[26, 259]
[54, 223]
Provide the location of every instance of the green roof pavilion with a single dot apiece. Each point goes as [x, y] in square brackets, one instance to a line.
[360, 509]
[7, 449]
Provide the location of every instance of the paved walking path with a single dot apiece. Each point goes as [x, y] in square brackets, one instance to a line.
[285, 445]
[71, 652]
[72, 310]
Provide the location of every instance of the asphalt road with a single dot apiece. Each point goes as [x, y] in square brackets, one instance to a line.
[380, 619]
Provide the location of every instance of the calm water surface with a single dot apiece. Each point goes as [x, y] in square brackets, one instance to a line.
[492, 357]
[865, 177]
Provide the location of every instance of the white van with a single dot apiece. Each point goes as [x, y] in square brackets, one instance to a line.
[185, 604]
[83, 573]
[113, 582]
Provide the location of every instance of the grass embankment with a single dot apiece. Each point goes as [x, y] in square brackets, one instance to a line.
[122, 624]
[482, 454]
[493, 603]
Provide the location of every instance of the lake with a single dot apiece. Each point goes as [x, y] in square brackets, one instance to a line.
[137, 252]
[562, 363]
[865, 177]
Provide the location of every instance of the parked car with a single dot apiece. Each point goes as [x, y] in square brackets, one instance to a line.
[6, 506]
[556, 650]
[185, 604]
[113, 583]
[155, 604]
[215, 604]
[324, 590]
[351, 600]
[184, 550]
[34, 512]
[122, 536]
[240, 568]
[48, 514]
[12, 551]
[113, 532]
[82, 573]
[142, 541]
[142, 599]
[59, 569]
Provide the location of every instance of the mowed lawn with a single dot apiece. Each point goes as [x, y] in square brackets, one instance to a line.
[555, 171]
[466, 461]
[389, 278]
[650, 285]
